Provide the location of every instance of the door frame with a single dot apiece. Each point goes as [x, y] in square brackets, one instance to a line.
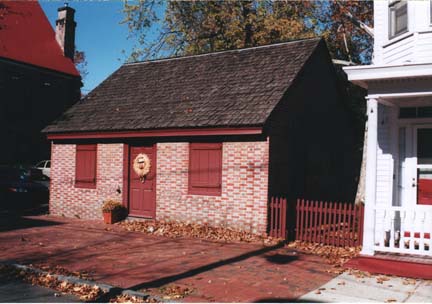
[126, 172]
[411, 126]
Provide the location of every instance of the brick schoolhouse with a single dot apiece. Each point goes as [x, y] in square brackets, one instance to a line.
[220, 133]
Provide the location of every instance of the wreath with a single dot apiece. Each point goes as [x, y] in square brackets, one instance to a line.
[141, 165]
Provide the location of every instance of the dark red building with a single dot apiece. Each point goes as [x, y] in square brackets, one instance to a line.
[38, 79]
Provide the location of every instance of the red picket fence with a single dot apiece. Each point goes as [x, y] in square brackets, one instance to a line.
[336, 224]
[278, 213]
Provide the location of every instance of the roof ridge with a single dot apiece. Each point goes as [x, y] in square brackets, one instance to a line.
[220, 52]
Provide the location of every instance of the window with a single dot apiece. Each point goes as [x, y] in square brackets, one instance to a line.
[205, 168]
[415, 112]
[398, 18]
[85, 167]
[48, 164]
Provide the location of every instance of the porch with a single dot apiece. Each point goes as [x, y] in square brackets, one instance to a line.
[398, 194]
[398, 199]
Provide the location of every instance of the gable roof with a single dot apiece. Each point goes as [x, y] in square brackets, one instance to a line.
[26, 36]
[237, 88]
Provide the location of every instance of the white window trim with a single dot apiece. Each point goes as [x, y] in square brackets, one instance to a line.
[402, 35]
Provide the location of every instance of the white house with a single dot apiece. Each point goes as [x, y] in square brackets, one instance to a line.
[398, 202]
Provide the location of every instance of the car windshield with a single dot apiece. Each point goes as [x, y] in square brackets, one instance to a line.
[40, 164]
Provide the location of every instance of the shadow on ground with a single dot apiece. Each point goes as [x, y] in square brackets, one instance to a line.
[283, 300]
[14, 211]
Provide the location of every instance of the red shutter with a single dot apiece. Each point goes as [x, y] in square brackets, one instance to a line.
[205, 168]
[85, 168]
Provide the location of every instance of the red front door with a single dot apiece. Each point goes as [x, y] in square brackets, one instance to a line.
[142, 191]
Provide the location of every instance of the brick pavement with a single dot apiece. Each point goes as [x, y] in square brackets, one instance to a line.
[222, 272]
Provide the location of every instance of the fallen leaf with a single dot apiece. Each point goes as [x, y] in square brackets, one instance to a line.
[382, 279]
[176, 229]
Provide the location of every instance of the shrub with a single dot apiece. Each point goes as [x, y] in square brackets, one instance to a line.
[112, 206]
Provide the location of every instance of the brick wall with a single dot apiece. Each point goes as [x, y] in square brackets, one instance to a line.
[66, 199]
[242, 204]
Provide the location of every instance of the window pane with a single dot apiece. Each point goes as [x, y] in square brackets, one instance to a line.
[424, 146]
[398, 18]
[425, 112]
[408, 112]
[420, 112]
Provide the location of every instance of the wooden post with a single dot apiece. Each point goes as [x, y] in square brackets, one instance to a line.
[371, 174]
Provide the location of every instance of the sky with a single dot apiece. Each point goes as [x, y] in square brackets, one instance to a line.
[98, 33]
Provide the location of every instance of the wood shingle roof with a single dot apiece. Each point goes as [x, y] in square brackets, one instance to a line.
[237, 88]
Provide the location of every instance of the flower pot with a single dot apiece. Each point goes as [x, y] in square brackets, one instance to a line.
[109, 217]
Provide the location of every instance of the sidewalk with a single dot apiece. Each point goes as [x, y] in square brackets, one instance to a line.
[351, 289]
[215, 272]
[211, 271]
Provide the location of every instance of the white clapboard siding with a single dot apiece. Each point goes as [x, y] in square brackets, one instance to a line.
[380, 29]
[423, 47]
[415, 46]
[400, 52]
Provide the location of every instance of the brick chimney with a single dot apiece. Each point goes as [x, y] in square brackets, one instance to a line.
[65, 30]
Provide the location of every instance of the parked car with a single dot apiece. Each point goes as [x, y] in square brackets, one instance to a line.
[45, 166]
[22, 186]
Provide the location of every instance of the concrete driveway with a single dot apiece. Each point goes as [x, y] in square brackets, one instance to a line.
[349, 288]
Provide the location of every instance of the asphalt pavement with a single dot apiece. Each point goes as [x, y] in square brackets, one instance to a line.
[13, 291]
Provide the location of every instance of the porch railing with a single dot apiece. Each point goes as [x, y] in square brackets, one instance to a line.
[403, 230]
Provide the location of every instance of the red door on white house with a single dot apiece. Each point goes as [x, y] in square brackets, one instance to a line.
[142, 189]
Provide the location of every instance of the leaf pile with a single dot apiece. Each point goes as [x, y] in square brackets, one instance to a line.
[408, 281]
[172, 292]
[359, 274]
[131, 299]
[85, 292]
[179, 229]
[62, 271]
[335, 256]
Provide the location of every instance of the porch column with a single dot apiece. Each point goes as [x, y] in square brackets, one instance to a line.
[371, 174]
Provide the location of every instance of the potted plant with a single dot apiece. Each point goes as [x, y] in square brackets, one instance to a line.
[112, 211]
